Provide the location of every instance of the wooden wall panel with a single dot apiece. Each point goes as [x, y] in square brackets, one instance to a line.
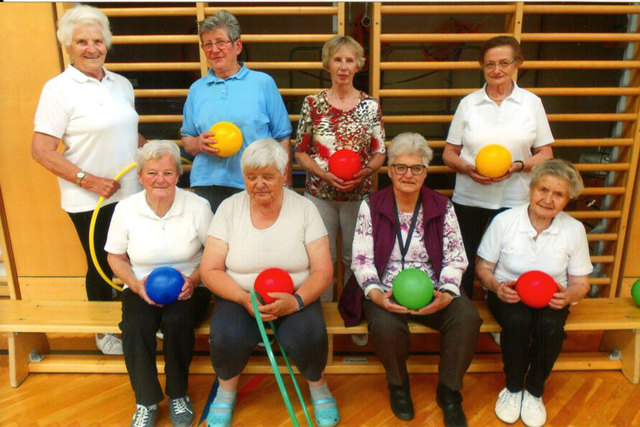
[44, 241]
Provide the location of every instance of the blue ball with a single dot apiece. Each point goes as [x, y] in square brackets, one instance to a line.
[164, 284]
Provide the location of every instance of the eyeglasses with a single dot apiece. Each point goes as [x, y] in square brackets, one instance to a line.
[401, 169]
[219, 44]
[502, 65]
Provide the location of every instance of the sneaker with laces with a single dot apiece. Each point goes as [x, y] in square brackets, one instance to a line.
[360, 339]
[496, 337]
[508, 406]
[145, 416]
[109, 344]
[533, 412]
[181, 412]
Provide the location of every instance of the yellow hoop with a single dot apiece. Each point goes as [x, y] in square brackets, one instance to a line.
[92, 229]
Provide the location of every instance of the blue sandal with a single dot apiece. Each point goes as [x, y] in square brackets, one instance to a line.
[326, 412]
[220, 418]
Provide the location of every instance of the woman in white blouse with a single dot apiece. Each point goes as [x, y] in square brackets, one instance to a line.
[499, 113]
[534, 236]
[91, 111]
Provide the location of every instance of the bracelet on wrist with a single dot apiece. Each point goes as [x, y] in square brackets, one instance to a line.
[300, 301]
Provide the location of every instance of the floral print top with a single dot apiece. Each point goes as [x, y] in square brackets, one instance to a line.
[324, 129]
[454, 259]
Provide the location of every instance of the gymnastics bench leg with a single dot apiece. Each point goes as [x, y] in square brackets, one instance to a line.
[627, 342]
[21, 346]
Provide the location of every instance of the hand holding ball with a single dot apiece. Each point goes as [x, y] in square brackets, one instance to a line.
[228, 138]
[493, 161]
[345, 164]
[536, 288]
[413, 288]
[272, 280]
[164, 284]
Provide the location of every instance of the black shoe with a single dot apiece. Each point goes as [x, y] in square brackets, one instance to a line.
[451, 403]
[401, 404]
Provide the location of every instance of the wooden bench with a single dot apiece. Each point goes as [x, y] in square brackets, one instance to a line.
[27, 322]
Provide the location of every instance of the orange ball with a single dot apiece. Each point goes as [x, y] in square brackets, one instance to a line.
[228, 138]
[493, 161]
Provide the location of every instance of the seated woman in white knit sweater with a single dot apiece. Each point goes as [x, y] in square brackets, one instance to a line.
[263, 227]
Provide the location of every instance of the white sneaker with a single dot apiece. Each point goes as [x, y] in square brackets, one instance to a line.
[496, 337]
[109, 344]
[360, 339]
[508, 406]
[533, 411]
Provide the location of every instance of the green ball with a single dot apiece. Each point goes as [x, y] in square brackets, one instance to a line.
[635, 292]
[413, 288]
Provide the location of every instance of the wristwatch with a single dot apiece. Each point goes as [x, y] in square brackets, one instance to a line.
[300, 302]
[79, 177]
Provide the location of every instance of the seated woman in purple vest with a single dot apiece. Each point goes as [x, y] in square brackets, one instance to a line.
[405, 226]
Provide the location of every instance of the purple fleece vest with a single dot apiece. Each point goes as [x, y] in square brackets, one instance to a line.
[383, 218]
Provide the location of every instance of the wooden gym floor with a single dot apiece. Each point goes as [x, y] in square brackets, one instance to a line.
[572, 398]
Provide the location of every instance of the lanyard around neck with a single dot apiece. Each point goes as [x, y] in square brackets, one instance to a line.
[404, 247]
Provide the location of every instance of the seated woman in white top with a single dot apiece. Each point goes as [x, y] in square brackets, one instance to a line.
[263, 227]
[160, 226]
[535, 236]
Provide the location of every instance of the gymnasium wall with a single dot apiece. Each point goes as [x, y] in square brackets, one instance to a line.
[581, 59]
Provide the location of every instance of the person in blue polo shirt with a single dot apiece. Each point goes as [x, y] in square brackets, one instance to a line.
[230, 92]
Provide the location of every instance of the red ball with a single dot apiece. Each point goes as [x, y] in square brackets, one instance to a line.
[344, 164]
[536, 288]
[272, 280]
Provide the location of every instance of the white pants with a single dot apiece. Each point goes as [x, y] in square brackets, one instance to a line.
[343, 215]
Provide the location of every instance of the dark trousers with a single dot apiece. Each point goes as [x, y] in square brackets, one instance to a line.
[234, 333]
[459, 326]
[531, 341]
[97, 288]
[140, 322]
[215, 194]
[473, 223]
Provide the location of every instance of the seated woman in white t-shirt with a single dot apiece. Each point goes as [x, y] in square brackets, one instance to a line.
[535, 236]
[266, 226]
[160, 226]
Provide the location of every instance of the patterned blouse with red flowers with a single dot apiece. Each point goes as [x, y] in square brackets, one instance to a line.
[324, 129]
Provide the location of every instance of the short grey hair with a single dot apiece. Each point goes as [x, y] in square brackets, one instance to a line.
[335, 43]
[156, 149]
[222, 19]
[562, 169]
[82, 14]
[263, 153]
[411, 144]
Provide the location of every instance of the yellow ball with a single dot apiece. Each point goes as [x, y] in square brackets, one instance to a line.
[493, 161]
[228, 138]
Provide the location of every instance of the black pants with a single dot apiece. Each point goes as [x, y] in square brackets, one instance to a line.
[473, 223]
[531, 341]
[97, 288]
[215, 194]
[140, 322]
[459, 326]
[234, 333]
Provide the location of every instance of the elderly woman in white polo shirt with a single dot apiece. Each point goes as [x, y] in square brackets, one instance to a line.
[534, 236]
[160, 226]
[91, 110]
[267, 226]
[499, 113]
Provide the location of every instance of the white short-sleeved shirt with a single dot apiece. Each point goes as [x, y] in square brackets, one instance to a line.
[559, 250]
[282, 245]
[98, 124]
[519, 124]
[175, 240]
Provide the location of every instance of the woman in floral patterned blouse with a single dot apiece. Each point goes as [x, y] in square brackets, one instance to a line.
[408, 225]
[341, 117]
